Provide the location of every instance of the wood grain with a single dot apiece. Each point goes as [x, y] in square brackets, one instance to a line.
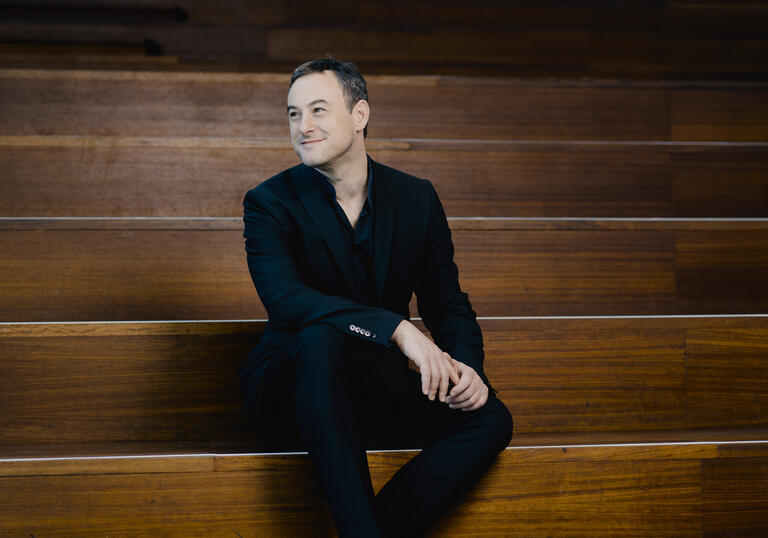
[146, 273]
[64, 384]
[274, 495]
[706, 40]
[58, 102]
[194, 177]
[734, 498]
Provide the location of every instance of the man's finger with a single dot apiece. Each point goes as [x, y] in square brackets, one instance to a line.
[445, 378]
[469, 403]
[434, 380]
[464, 382]
[425, 378]
[453, 369]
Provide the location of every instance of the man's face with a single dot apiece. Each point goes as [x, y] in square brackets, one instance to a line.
[322, 127]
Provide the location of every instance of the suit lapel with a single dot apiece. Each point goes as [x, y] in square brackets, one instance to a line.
[384, 216]
[324, 218]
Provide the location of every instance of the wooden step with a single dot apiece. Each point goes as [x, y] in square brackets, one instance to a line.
[71, 176]
[149, 269]
[69, 383]
[127, 103]
[676, 489]
[640, 39]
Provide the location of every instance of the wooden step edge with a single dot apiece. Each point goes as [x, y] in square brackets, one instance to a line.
[607, 224]
[207, 462]
[376, 144]
[43, 329]
[379, 80]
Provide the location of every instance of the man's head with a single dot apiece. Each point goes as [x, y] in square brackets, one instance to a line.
[327, 111]
[351, 80]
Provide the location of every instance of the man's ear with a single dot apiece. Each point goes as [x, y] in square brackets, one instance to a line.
[361, 112]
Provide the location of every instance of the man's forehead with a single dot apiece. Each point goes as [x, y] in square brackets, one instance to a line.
[313, 87]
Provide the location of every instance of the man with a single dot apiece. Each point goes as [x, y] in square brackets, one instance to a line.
[336, 247]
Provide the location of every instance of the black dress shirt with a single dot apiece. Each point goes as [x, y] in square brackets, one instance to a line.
[360, 238]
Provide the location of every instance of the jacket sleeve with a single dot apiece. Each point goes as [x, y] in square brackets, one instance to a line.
[442, 305]
[290, 303]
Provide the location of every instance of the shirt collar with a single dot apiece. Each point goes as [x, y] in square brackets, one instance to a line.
[330, 190]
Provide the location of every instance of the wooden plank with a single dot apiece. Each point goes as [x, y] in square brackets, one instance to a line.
[734, 500]
[191, 177]
[647, 39]
[715, 356]
[35, 102]
[175, 382]
[134, 273]
[594, 496]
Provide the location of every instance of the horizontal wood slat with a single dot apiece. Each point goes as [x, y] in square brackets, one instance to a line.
[175, 382]
[642, 39]
[207, 177]
[39, 102]
[137, 273]
[670, 491]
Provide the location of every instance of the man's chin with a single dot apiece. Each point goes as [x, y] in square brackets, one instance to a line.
[312, 161]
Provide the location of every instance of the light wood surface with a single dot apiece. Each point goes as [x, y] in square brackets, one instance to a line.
[674, 490]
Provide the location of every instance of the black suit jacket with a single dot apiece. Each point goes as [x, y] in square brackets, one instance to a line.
[303, 270]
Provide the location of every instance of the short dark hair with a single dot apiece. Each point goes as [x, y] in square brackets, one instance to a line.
[352, 82]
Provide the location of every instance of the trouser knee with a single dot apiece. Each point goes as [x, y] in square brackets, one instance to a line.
[319, 350]
[497, 424]
[319, 364]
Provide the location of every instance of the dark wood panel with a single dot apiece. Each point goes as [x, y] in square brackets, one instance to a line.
[715, 357]
[196, 104]
[657, 494]
[734, 498]
[189, 177]
[175, 382]
[548, 39]
[151, 273]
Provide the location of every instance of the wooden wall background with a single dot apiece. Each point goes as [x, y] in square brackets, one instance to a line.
[674, 39]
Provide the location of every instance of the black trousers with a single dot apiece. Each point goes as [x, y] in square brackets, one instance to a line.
[340, 394]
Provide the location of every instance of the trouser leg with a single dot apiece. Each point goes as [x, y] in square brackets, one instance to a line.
[316, 375]
[329, 426]
[461, 451]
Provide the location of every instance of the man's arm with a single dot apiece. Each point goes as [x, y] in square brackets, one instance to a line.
[289, 301]
[447, 313]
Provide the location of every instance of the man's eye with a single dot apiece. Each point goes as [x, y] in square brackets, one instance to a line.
[318, 109]
[292, 115]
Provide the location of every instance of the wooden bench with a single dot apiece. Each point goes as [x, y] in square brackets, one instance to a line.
[73, 176]
[145, 269]
[669, 489]
[127, 103]
[547, 39]
[70, 383]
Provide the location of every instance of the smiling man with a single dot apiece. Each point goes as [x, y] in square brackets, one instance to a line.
[336, 247]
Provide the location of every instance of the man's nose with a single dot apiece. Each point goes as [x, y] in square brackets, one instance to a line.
[306, 125]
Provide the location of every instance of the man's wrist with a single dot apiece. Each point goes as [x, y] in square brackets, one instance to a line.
[398, 332]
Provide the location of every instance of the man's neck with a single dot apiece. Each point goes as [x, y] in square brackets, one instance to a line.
[350, 177]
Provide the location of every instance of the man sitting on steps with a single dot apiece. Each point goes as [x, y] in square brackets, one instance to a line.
[336, 247]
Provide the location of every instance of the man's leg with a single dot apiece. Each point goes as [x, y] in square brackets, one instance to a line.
[463, 447]
[329, 426]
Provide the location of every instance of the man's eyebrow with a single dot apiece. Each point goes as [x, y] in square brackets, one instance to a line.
[316, 101]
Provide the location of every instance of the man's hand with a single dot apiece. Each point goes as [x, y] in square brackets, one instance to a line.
[470, 392]
[437, 368]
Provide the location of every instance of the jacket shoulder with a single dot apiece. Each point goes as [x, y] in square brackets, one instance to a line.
[277, 186]
[401, 180]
